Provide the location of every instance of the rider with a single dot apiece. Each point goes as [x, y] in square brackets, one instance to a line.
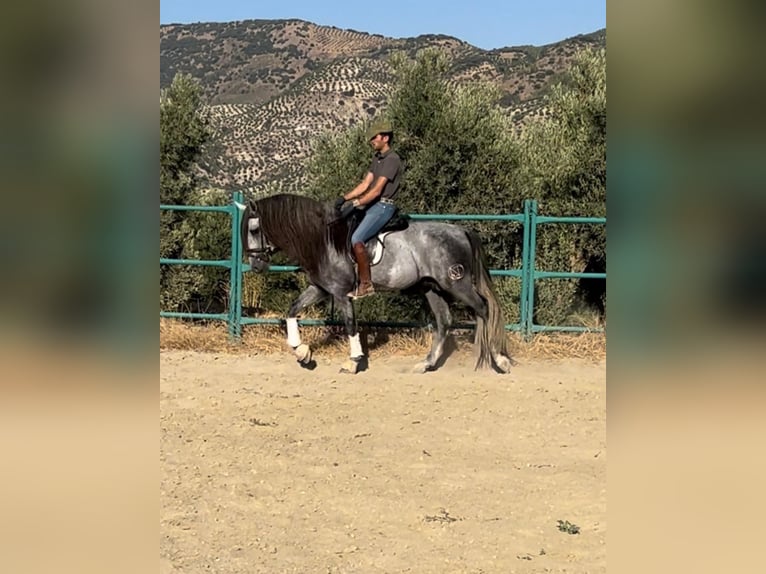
[375, 196]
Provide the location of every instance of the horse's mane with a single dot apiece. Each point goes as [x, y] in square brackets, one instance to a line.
[298, 226]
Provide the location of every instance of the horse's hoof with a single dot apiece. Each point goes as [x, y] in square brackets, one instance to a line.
[350, 366]
[422, 367]
[504, 363]
[303, 353]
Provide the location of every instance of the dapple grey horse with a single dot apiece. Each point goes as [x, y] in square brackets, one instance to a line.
[439, 259]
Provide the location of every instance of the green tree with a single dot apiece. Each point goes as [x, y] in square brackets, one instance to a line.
[563, 166]
[184, 130]
[564, 156]
[338, 162]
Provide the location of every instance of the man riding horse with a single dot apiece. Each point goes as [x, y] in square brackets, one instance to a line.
[374, 195]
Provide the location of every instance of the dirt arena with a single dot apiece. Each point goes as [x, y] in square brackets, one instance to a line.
[270, 468]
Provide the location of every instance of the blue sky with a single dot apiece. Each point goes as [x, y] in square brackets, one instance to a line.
[486, 24]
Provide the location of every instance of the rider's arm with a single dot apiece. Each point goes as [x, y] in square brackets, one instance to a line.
[361, 188]
[373, 192]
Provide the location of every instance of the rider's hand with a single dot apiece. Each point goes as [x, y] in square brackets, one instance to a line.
[346, 208]
[339, 203]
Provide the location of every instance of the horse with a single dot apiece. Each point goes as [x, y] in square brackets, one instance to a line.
[439, 260]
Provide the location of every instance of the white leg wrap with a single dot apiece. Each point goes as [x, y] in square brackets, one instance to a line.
[356, 346]
[293, 337]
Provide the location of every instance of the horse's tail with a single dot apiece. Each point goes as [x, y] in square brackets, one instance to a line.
[490, 330]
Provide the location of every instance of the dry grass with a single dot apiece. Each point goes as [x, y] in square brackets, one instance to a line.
[560, 346]
[213, 337]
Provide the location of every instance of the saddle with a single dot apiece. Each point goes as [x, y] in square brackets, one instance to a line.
[376, 244]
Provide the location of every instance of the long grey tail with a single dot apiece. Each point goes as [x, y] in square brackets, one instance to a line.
[490, 330]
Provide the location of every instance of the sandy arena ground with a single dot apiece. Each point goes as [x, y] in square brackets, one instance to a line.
[270, 468]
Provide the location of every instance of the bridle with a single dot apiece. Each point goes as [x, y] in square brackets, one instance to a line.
[262, 242]
[264, 251]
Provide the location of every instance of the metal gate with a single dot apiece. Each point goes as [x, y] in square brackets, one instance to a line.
[527, 273]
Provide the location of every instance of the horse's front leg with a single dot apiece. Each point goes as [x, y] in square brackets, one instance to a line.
[302, 351]
[356, 361]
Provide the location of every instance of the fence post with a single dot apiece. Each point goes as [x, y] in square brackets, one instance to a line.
[235, 280]
[523, 311]
[532, 248]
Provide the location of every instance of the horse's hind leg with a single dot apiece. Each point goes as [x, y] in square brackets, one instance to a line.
[464, 292]
[441, 312]
[302, 351]
[485, 340]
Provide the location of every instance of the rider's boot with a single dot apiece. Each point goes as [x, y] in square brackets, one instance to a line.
[363, 265]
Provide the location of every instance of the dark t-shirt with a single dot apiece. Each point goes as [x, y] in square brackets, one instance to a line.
[388, 165]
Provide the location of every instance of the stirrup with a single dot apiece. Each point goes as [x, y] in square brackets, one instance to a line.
[362, 290]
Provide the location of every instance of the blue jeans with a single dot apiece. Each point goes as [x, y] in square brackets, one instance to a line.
[375, 217]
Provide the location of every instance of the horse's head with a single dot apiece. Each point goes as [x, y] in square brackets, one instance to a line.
[293, 224]
[254, 243]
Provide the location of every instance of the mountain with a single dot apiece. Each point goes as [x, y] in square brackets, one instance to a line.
[272, 84]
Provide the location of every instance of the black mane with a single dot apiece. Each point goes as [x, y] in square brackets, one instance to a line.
[298, 226]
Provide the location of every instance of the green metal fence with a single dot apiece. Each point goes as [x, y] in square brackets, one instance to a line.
[527, 273]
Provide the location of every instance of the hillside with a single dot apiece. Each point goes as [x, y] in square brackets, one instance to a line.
[272, 84]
